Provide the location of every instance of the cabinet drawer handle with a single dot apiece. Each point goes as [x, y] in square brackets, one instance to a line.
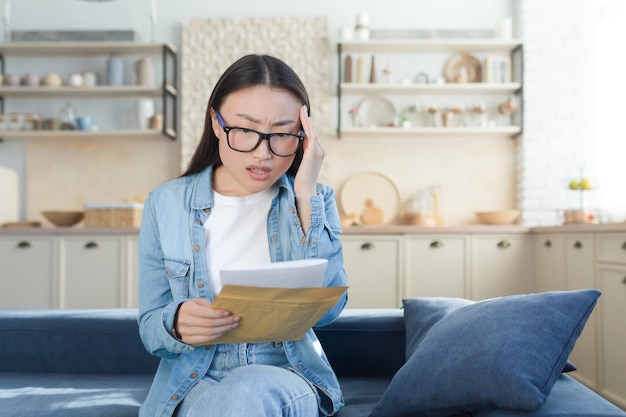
[624, 281]
[367, 246]
[436, 244]
[504, 244]
[91, 245]
[624, 245]
[578, 245]
[548, 244]
[24, 244]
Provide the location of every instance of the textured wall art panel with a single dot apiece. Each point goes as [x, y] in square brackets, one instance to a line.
[209, 46]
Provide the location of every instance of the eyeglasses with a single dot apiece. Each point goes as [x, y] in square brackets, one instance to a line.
[242, 139]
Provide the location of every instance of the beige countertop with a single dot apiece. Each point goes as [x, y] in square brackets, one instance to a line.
[400, 229]
[68, 231]
[352, 230]
[582, 228]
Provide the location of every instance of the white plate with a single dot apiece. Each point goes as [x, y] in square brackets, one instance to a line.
[376, 112]
[370, 185]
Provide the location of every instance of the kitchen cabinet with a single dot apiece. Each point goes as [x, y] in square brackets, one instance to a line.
[611, 280]
[373, 266]
[384, 268]
[132, 271]
[27, 271]
[549, 262]
[436, 266]
[92, 272]
[92, 55]
[565, 262]
[579, 274]
[501, 265]
[410, 91]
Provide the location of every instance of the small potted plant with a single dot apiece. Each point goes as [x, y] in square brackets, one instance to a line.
[580, 215]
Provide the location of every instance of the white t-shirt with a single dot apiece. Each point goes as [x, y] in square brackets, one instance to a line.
[235, 234]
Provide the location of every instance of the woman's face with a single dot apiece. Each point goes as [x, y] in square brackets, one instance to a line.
[262, 109]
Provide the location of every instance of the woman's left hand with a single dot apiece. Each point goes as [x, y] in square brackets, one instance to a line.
[312, 159]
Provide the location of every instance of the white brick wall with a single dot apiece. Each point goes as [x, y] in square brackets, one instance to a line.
[557, 123]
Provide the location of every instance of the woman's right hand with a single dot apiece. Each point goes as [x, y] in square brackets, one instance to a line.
[198, 324]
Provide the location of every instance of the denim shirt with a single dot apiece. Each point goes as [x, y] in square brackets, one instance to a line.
[173, 269]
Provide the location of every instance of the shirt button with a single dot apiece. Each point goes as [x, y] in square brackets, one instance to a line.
[206, 210]
[198, 221]
[174, 397]
[196, 248]
[194, 374]
[303, 240]
[293, 210]
[201, 284]
[167, 271]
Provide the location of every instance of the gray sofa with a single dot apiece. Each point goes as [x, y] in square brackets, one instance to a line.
[91, 363]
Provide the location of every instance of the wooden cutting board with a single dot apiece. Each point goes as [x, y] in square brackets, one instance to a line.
[9, 195]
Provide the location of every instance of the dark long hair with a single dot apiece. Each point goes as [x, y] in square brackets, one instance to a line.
[247, 71]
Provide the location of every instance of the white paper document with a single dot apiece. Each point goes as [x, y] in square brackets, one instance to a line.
[305, 273]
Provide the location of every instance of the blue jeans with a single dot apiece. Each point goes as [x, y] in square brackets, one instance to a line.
[248, 380]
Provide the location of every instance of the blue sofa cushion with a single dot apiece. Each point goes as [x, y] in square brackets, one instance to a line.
[568, 398]
[505, 352]
[68, 395]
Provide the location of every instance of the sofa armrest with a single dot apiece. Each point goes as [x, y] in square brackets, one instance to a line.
[73, 341]
[365, 342]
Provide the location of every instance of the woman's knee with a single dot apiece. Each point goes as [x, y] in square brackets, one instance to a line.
[256, 390]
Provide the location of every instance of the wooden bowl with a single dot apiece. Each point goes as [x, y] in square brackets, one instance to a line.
[63, 218]
[498, 217]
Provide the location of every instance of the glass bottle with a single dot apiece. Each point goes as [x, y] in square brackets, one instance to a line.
[68, 117]
[426, 208]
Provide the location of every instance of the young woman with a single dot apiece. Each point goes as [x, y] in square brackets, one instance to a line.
[249, 196]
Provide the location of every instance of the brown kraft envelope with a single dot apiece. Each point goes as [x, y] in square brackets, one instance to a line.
[274, 314]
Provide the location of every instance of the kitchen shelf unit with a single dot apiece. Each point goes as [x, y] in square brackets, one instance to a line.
[167, 90]
[431, 131]
[513, 47]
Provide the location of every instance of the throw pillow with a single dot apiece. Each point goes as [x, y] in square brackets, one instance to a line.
[421, 313]
[504, 352]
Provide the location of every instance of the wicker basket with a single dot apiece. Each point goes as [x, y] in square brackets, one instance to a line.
[113, 215]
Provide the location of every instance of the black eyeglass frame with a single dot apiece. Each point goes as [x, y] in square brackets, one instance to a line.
[262, 137]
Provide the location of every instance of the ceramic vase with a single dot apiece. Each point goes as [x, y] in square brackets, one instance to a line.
[144, 72]
[115, 71]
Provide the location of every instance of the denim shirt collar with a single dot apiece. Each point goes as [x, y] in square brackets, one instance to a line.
[202, 189]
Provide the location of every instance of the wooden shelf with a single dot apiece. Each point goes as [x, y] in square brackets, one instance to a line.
[81, 135]
[512, 47]
[467, 88]
[99, 91]
[83, 48]
[510, 131]
[167, 88]
[430, 45]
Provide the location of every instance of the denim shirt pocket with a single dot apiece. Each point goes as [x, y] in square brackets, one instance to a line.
[177, 271]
